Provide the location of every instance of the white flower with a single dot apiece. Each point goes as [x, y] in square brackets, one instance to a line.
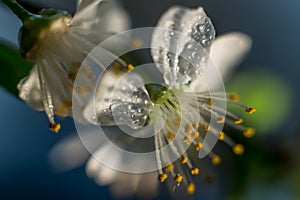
[180, 110]
[58, 43]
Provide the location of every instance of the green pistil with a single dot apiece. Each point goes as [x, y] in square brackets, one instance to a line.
[159, 94]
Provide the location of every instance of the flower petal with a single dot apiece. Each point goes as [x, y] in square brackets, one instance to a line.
[70, 153]
[228, 50]
[30, 90]
[99, 19]
[180, 46]
[119, 100]
[101, 173]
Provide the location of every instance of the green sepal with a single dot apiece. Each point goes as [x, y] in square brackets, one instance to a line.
[12, 68]
[33, 28]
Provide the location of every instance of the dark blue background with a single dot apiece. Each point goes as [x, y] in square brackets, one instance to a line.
[25, 140]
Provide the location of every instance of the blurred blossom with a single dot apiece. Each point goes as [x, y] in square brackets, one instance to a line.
[184, 115]
[265, 87]
[58, 43]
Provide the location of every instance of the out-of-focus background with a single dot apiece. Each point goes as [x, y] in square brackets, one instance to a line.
[268, 79]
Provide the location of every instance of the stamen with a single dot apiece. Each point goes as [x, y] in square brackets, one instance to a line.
[195, 171]
[54, 127]
[249, 132]
[210, 102]
[198, 146]
[238, 149]
[162, 177]
[129, 67]
[184, 159]
[191, 188]
[206, 127]
[188, 131]
[250, 110]
[234, 97]
[221, 119]
[178, 178]
[170, 136]
[196, 125]
[238, 121]
[169, 167]
[196, 135]
[187, 139]
[216, 160]
[222, 136]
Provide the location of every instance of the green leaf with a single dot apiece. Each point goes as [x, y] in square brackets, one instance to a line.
[12, 68]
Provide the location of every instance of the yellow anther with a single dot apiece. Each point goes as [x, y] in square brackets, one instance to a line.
[188, 131]
[188, 128]
[136, 43]
[116, 67]
[178, 178]
[238, 149]
[129, 67]
[221, 119]
[162, 177]
[210, 102]
[206, 127]
[184, 159]
[222, 135]
[170, 136]
[250, 110]
[187, 139]
[191, 188]
[196, 134]
[195, 171]
[198, 146]
[196, 124]
[234, 97]
[249, 132]
[238, 121]
[216, 160]
[169, 167]
[54, 127]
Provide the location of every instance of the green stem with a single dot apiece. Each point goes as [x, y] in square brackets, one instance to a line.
[18, 10]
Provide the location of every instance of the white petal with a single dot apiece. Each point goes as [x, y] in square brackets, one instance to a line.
[148, 186]
[102, 174]
[126, 185]
[119, 100]
[83, 4]
[68, 154]
[97, 20]
[228, 51]
[71, 153]
[181, 44]
[30, 90]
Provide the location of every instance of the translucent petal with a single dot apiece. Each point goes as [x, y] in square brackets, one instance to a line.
[97, 20]
[228, 50]
[102, 174]
[180, 48]
[119, 100]
[30, 90]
